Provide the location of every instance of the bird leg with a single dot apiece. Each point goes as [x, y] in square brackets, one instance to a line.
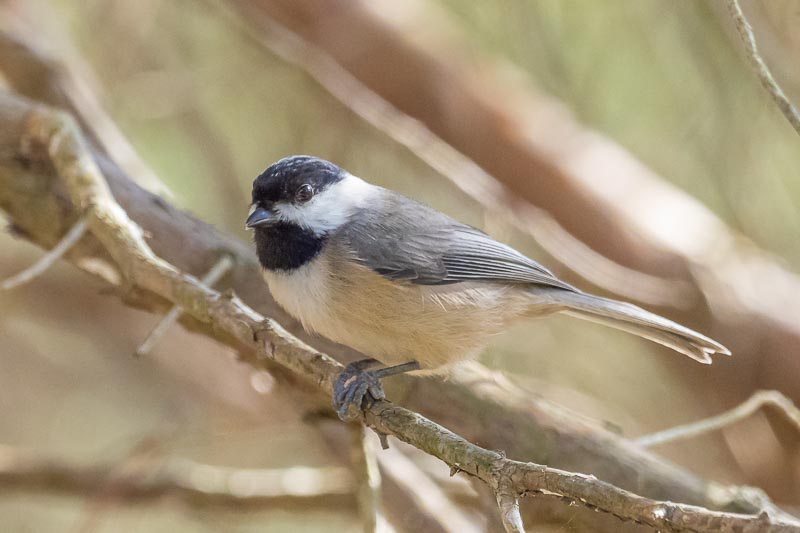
[359, 385]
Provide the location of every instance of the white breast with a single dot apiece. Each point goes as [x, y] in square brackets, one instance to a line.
[303, 292]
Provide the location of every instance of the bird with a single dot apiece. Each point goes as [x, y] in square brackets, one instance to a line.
[407, 286]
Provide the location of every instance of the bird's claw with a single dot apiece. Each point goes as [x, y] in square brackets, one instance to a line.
[356, 386]
[359, 386]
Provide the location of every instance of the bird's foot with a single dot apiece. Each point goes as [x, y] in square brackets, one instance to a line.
[360, 386]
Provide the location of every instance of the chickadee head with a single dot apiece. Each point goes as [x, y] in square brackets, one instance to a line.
[305, 191]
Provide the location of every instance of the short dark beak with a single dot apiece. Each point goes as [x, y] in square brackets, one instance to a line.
[259, 217]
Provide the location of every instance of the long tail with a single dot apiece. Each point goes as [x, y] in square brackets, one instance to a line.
[628, 317]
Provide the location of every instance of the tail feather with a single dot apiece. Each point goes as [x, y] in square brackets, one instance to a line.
[632, 319]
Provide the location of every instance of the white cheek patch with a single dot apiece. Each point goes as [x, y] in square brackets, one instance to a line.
[330, 208]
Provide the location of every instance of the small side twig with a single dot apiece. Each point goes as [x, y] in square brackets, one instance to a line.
[219, 269]
[47, 260]
[760, 67]
[750, 406]
[368, 478]
[509, 512]
[427, 495]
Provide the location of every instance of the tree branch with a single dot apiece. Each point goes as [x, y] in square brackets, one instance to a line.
[62, 82]
[760, 67]
[509, 511]
[368, 477]
[48, 259]
[436, 507]
[212, 277]
[196, 484]
[743, 410]
[51, 137]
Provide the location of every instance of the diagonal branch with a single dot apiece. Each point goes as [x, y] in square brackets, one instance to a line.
[51, 137]
[61, 82]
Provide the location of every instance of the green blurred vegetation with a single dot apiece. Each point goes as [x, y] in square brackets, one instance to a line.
[662, 79]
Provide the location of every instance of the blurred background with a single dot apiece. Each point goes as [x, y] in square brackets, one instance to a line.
[653, 145]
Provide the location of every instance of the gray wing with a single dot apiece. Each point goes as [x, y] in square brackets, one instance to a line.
[404, 240]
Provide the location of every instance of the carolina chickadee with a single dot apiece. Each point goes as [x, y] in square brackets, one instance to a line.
[392, 278]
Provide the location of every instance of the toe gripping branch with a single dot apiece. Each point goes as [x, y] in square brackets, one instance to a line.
[359, 385]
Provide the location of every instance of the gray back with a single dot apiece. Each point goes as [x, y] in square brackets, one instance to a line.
[404, 240]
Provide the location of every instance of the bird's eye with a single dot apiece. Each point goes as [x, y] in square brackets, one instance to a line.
[303, 194]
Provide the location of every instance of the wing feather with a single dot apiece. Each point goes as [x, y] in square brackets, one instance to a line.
[403, 240]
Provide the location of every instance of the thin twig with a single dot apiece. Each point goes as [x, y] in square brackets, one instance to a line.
[48, 259]
[750, 406]
[760, 67]
[219, 269]
[427, 495]
[509, 512]
[54, 133]
[368, 478]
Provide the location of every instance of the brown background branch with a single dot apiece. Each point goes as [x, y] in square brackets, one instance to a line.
[194, 484]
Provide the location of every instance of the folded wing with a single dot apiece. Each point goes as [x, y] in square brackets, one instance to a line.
[404, 240]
